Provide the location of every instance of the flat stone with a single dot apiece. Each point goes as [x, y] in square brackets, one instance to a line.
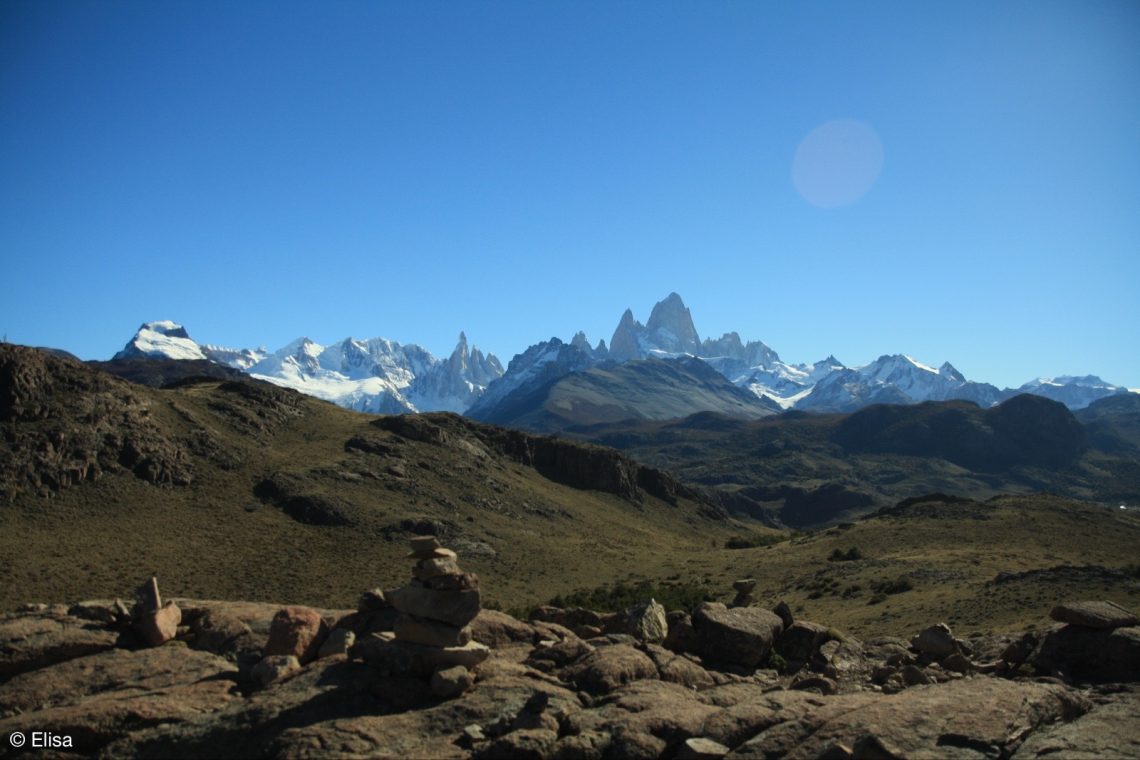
[700, 748]
[1094, 615]
[430, 633]
[435, 567]
[457, 607]
[424, 543]
[437, 553]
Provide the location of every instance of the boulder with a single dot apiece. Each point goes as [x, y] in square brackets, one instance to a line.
[646, 622]
[1094, 615]
[1099, 655]
[738, 636]
[158, 627]
[451, 682]
[222, 634]
[298, 632]
[801, 640]
[273, 668]
[607, 668]
[455, 607]
[682, 636]
[936, 641]
[498, 629]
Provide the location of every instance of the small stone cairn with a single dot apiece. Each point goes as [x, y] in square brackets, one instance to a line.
[432, 633]
[155, 622]
[743, 589]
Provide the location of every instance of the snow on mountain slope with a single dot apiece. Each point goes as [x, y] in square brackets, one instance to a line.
[378, 375]
[540, 364]
[1074, 392]
[161, 340]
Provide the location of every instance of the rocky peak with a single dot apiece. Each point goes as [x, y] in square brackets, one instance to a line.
[671, 326]
[624, 344]
[161, 340]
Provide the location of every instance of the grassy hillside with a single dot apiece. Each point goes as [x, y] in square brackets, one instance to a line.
[239, 490]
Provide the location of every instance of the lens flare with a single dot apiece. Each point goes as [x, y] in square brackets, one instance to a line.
[837, 163]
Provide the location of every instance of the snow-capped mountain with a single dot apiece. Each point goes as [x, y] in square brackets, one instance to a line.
[827, 385]
[378, 375]
[540, 364]
[1073, 392]
[161, 340]
[383, 376]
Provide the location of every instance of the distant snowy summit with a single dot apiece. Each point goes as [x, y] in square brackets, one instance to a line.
[823, 386]
[376, 375]
[382, 376]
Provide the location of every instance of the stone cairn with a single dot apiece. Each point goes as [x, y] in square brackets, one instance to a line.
[743, 589]
[432, 633]
[155, 622]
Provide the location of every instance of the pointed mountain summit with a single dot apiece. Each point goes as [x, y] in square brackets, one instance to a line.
[671, 328]
[161, 340]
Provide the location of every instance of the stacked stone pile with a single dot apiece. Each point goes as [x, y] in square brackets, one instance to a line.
[743, 589]
[433, 635]
[155, 622]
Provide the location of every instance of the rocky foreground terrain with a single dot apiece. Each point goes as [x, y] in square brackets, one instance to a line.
[193, 678]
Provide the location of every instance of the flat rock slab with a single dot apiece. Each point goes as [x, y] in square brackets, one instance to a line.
[1094, 615]
[924, 721]
[30, 641]
[458, 607]
[141, 671]
[1111, 730]
[183, 685]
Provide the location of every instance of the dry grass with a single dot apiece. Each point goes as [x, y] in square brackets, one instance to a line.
[216, 539]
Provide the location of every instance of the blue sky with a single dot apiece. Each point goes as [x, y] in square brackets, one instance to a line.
[261, 171]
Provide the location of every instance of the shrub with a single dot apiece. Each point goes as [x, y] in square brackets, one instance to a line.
[852, 554]
[622, 596]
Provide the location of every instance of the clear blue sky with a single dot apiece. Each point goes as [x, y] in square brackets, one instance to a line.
[261, 171]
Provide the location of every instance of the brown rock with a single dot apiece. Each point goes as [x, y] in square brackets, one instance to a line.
[646, 622]
[1094, 615]
[339, 642]
[219, 633]
[682, 636]
[434, 568]
[528, 744]
[927, 721]
[784, 612]
[676, 668]
[430, 633]
[273, 668]
[605, 669]
[157, 628]
[451, 682]
[816, 683]
[801, 640]
[148, 597]
[701, 748]
[424, 544]
[296, 631]
[456, 608]
[740, 636]
[498, 629]
[936, 641]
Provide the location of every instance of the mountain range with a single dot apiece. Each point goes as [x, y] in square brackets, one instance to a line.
[658, 370]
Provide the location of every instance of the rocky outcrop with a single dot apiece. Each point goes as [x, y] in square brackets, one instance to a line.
[64, 423]
[540, 691]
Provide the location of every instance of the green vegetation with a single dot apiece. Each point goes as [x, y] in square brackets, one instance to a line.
[755, 540]
[621, 596]
[852, 554]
